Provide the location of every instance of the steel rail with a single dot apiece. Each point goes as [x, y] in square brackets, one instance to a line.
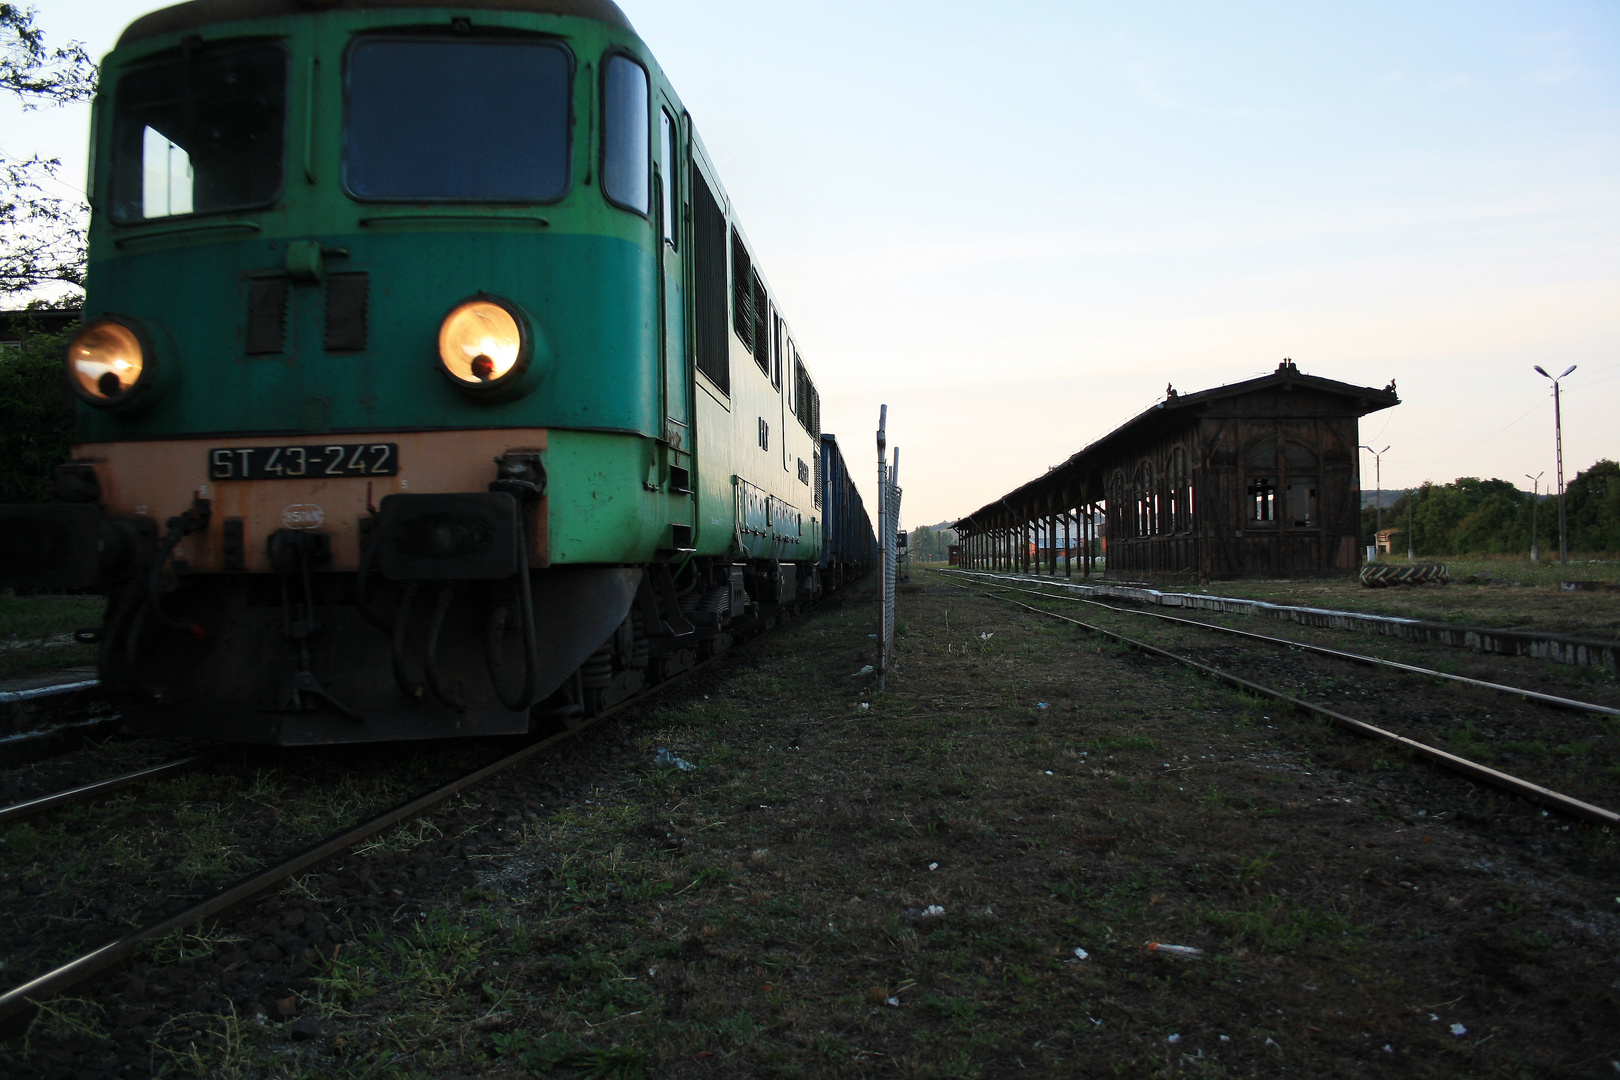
[1564, 803]
[100, 787]
[1339, 654]
[18, 1002]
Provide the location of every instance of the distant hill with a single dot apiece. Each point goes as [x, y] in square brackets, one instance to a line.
[1384, 497]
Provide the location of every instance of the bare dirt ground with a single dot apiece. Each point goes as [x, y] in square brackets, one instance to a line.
[959, 877]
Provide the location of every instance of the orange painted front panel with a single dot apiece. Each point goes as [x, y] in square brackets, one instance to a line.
[160, 479]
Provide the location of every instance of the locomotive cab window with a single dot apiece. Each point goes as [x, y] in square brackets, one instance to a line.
[199, 132]
[626, 178]
[472, 121]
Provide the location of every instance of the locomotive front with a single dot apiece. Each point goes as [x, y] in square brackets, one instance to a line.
[381, 432]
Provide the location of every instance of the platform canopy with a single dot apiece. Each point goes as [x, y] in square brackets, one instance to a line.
[1268, 464]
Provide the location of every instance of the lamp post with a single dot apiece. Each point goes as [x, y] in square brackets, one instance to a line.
[1378, 491]
[1558, 445]
[1535, 498]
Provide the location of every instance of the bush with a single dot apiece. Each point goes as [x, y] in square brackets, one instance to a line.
[36, 416]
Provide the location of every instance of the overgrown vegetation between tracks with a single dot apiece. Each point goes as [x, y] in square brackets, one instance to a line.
[898, 886]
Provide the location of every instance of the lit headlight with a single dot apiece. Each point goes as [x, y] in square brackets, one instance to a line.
[484, 342]
[106, 360]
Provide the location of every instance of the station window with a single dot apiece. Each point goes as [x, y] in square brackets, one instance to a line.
[1302, 503]
[199, 133]
[473, 121]
[1147, 501]
[1260, 466]
[1262, 498]
[625, 108]
[1180, 492]
[1300, 462]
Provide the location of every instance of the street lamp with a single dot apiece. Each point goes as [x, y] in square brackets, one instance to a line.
[1535, 499]
[1558, 444]
[1378, 490]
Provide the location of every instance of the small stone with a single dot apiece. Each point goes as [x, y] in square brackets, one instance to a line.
[265, 953]
[305, 1027]
[293, 918]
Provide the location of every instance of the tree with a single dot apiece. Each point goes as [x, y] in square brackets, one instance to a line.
[1492, 517]
[41, 236]
[36, 415]
[1593, 504]
[921, 543]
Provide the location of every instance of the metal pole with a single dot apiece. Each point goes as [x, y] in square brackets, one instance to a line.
[1558, 446]
[885, 537]
[1378, 491]
[1535, 499]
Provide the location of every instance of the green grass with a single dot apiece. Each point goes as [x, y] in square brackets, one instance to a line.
[1275, 925]
[36, 633]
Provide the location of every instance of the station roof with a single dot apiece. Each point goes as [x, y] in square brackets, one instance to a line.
[198, 13]
[1171, 415]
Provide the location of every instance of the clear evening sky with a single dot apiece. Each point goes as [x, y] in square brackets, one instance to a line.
[1016, 223]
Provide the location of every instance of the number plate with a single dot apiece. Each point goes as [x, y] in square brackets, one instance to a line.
[303, 462]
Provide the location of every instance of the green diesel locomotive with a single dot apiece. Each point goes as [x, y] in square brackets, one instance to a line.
[427, 382]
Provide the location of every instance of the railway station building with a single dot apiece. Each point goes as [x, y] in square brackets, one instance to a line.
[1257, 478]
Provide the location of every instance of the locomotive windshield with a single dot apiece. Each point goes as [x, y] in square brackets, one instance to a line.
[199, 133]
[457, 120]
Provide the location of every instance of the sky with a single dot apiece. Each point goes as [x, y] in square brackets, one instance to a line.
[1015, 225]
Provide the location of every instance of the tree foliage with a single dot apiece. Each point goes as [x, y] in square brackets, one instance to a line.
[37, 408]
[929, 544]
[1593, 508]
[41, 235]
[1493, 517]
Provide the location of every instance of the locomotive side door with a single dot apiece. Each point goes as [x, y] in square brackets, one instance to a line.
[672, 219]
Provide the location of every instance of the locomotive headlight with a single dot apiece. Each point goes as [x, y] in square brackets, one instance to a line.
[107, 362]
[484, 343]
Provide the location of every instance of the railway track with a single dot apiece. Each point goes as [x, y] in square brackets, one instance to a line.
[18, 1004]
[1546, 796]
[99, 788]
[1554, 700]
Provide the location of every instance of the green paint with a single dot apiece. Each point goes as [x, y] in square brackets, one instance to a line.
[610, 371]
